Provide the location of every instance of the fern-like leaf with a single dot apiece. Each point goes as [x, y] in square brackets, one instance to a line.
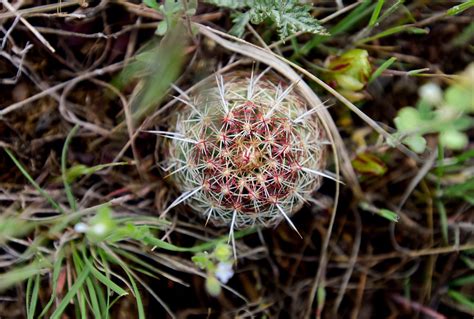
[231, 4]
[289, 16]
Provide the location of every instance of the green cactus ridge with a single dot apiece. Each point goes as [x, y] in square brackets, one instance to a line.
[246, 151]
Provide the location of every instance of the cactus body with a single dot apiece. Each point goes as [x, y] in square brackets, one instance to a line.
[246, 151]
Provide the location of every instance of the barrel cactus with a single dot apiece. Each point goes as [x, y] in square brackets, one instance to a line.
[246, 150]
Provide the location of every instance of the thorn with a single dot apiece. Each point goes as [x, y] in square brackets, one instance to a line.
[231, 234]
[315, 172]
[176, 171]
[288, 220]
[173, 136]
[309, 112]
[208, 216]
[220, 85]
[280, 98]
[254, 81]
[188, 103]
[180, 199]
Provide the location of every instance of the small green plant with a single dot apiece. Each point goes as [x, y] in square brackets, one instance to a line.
[218, 267]
[349, 73]
[444, 113]
[172, 10]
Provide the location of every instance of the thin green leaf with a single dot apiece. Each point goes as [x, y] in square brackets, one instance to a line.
[56, 271]
[91, 296]
[67, 186]
[417, 71]
[356, 15]
[391, 10]
[19, 274]
[382, 68]
[466, 35]
[73, 291]
[152, 4]
[138, 297]
[136, 292]
[376, 13]
[14, 227]
[460, 7]
[139, 261]
[443, 220]
[441, 209]
[151, 240]
[388, 214]
[32, 296]
[461, 299]
[81, 303]
[463, 190]
[385, 213]
[106, 281]
[463, 281]
[468, 261]
[231, 4]
[392, 31]
[32, 181]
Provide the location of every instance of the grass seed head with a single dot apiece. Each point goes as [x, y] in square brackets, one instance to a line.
[248, 149]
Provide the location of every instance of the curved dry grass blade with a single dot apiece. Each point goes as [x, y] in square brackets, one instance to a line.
[276, 62]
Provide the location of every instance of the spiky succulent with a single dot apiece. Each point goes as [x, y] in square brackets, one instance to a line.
[246, 150]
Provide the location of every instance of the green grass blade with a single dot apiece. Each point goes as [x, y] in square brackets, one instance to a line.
[91, 295]
[106, 281]
[56, 271]
[81, 303]
[29, 284]
[138, 298]
[392, 31]
[345, 24]
[467, 34]
[375, 15]
[32, 181]
[20, 274]
[382, 68]
[150, 240]
[443, 220]
[73, 291]
[138, 261]
[102, 300]
[79, 170]
[391, 10]
[32, 296]
[417, 72]
[461, 299]
[463, 281]
[467, 261]
[126, 269]
[67, 186]
[460, 7]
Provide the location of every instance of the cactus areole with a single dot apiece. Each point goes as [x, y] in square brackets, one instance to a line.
[246, 150]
